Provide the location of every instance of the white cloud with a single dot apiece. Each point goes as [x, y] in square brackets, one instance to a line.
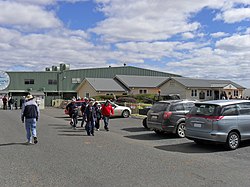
[234, 15]
[188, 35]
[26, 17]
[219, 34]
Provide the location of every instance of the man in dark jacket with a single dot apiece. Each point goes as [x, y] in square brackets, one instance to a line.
[30, 114]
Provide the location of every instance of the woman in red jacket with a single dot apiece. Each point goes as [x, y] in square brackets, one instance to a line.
[107, 111]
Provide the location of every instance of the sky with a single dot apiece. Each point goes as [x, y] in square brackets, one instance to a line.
[208, 39]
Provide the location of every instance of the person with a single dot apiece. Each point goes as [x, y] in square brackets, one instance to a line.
[30, 114]
[22, 100]
[73, 112]
[90, 118]
[5, 100]
[10, 103]
[98, 115]
[83, 108]
[15, 103]
[107, 110]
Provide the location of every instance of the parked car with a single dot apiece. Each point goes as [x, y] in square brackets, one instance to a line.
[169, 116]
[118, 110]
[220, 121]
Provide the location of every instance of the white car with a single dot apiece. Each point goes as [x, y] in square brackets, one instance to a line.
[122, 111]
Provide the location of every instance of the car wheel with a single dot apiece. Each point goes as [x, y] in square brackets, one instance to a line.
[180, 131]
[158, 132]
[125, 114]
[233, 141]
[144, 123]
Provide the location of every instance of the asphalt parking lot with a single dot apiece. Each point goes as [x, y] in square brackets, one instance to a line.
[127, 155]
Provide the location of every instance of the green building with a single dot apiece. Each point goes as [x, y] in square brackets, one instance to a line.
[61, 82]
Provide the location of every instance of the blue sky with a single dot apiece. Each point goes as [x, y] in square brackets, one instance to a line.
[207, 39]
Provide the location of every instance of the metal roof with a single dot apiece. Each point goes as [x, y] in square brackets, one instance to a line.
[140, 81]
[104, 84]
[204, 83]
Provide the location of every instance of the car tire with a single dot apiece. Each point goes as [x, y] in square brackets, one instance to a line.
[125, 114]
[233, 141]
[144, 123]
[180, 131]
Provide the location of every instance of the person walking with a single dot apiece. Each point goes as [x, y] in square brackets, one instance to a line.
[83, 108]
[30, 114]
[90, 117]
[5, 100]
[73, 113]
[10, 103]
[22, 101]
[98, 112]
[107, 110]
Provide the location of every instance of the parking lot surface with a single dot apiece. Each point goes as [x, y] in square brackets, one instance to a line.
[127, 155]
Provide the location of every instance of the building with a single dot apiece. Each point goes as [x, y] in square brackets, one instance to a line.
[201, 89]
[62, 82]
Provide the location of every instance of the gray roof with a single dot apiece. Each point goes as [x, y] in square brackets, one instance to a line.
[140, 81]
[104, 84]
[205, 83]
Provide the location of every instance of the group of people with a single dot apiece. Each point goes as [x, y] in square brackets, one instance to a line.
[11, 103]
[92, 114]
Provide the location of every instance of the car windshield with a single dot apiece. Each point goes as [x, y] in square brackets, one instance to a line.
[158, 107]
[204, 110]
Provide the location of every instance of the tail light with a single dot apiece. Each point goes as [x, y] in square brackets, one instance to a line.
[167, 115]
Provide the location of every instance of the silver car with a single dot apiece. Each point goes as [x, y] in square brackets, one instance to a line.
[221, 121]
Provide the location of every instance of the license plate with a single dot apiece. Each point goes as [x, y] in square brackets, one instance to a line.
[197, 125]
[154, 117]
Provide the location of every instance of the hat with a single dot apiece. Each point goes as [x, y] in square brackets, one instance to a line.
[28, 97]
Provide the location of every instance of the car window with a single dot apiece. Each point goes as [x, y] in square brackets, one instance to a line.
[188, 105]
[204, 110]
[177, 107]
[158, 107]
[244, 108]
[230, 110]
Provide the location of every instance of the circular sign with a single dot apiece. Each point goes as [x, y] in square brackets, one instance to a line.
[4, 80]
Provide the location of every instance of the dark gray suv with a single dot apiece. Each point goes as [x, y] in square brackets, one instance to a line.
[169, 116]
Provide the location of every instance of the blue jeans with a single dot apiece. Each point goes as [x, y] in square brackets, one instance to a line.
[30, 126]
[90, 127]
[106, 121]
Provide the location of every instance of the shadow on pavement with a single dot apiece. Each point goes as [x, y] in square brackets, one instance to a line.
[72, 134]
[135, 129]
[152, 136]
[192, 147]
[8, 144]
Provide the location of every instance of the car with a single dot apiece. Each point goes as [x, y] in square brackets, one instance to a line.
[169, 116]
[118, 110]
[121, 111]
[219, 121]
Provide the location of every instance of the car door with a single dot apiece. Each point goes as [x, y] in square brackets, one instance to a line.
[244, 120]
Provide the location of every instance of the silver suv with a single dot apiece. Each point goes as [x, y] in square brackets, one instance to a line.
[169, 116]
[221, 121]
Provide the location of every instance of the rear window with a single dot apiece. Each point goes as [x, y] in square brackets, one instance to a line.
[205, 110]
[158, 107]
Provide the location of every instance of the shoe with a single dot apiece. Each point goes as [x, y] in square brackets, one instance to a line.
[93, 134]
[28, 143]
[107, 129]
[97, 129]
[35, 140]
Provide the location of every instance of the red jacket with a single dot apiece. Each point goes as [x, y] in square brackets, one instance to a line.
[107, 110]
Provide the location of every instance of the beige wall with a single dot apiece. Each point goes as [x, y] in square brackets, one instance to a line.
[136, 91]
[87, 88]
[173, 87]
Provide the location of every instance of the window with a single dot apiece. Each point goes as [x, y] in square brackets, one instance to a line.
[29, 81]
[202, 95]
[50, 81]
[194, 93]
[236, 93]
[76, 80]
[244, 108]
[230, 110]
[178, 107]
[143, 91]
[209, 93]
